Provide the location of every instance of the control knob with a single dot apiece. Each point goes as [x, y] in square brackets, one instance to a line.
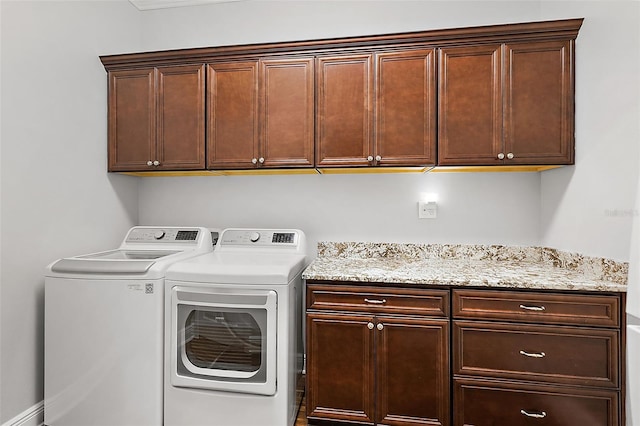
[255, 236]
[158, 235]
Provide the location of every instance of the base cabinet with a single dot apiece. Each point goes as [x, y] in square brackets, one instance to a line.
[537, 358]
[380, 355]
[372, 359]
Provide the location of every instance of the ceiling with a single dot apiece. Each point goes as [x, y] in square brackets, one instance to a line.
[163, 4]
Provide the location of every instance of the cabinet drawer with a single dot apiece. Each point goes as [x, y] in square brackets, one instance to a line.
[571, 309]
[482, 403]
[567, 355]
[378, 300]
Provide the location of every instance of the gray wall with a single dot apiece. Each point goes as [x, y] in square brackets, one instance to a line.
[58, 200]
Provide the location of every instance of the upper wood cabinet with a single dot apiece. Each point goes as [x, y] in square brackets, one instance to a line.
[345, 85]
[492, 95]
[376, 109]
[260, 114]
[509, 103]
[156, 118]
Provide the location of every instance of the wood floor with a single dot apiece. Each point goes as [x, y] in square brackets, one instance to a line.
[301, 420]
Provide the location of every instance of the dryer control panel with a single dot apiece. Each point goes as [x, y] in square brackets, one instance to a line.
[263, 238]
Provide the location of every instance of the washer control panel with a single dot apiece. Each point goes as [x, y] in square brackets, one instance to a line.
[162, 235]
[263, 238]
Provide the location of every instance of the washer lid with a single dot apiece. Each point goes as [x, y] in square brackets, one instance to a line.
[112, 262]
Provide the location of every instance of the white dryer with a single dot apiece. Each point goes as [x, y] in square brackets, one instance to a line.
[233, 342]
[104, 329]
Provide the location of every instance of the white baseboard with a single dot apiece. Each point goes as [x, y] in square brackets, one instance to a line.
[32, 416]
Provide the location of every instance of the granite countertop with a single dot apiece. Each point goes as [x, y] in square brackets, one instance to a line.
[466, 265]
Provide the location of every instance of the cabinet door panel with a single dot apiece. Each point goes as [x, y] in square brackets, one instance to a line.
[377, 300]
[413, 372]
[344, 86]
[405, 102]
[180, 142]
[470, 105]
[567, 355]
[287, 105]
[539, 102]
[484, 403]
[132, 119]
[232, 128]
[340, 370]
[537, 307]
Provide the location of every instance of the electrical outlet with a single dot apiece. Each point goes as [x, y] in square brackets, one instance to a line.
[427, 210]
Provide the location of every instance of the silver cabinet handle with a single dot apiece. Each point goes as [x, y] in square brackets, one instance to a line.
[370, 158]
[156, 163]
[254, 161]
[501, 156]
[532, 308]
[370, 326]
[376, 302]
[533, 355]
[380, 326]
[378, 158]
[540, 415]
[261, 160]
[149, 163]
[510, 156]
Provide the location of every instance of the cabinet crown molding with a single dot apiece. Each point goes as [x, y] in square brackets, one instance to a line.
[544, 30]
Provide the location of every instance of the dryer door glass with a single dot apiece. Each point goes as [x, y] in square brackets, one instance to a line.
[225, 340]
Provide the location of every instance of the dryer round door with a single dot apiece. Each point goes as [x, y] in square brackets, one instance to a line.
[224, 339]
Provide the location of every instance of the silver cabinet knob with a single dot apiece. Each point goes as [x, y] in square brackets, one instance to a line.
[261, 160]
[510, 156]
[380, 326]
[254, 161]
[149, 163]
[501, 156]
[378, 158]
[156, 163]
[370, 158]
[370, 326]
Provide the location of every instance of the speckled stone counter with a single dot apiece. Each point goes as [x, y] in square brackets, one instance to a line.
[466, 265]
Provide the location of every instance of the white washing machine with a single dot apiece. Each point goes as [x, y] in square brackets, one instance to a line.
[233, 342]
[104, 329]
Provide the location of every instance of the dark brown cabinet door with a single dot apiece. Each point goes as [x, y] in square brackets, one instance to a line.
[344, 89]
[232, 119]
[405, 108]
[340, 368]
[539, 107]
[287, 113]
[470, 105]
[132, 119]
[412, 366]
[180, 119]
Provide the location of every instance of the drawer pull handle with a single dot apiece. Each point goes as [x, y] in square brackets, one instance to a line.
[532, 308]
[540, 355]
[540, 415]
[376, 302]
